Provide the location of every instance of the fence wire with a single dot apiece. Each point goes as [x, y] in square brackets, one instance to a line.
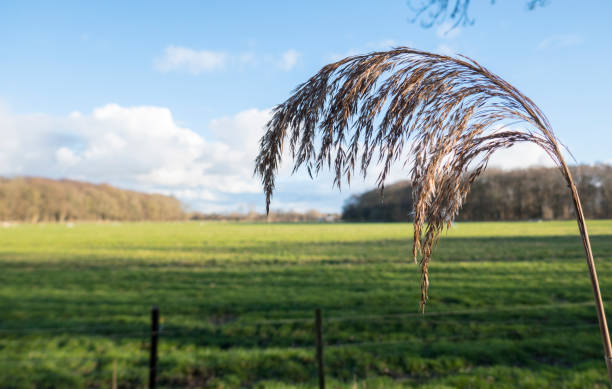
[417, 316]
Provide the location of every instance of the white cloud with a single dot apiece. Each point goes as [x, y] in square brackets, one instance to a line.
[447, 31]
[141, 148]
[521, 155]
[191, 61]
[187, 60]
[446, 50]
[192, 194]
[288, 59]
[560, 41]
[144, 148]
[247, 58]
[243, 129]
[65, 157]
[384, 44]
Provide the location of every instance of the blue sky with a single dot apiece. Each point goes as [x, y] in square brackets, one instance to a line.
[171, 97]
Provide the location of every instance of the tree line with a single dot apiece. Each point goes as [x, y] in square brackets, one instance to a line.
[524, 194]
[32, 199]
[275, 216]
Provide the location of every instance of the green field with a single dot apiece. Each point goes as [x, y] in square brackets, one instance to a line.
[510, 305]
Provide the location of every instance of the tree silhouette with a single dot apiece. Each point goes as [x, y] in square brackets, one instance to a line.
[431, 12]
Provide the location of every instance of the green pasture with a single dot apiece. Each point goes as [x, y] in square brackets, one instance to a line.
[510, 305]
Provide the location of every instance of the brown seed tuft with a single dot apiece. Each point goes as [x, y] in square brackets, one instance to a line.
[450, 113]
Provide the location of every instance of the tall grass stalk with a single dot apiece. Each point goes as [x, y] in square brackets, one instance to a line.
[451, 114]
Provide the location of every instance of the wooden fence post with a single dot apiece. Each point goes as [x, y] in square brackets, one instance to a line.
[153, 356]
[319, 342]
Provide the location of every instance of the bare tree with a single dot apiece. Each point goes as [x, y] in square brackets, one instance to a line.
[431, 12]
[451, 114]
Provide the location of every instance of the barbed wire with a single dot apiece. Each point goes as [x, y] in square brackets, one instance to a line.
[453, 338]
[69, 358]
[74, 330]
[466, 324]
[420, 318]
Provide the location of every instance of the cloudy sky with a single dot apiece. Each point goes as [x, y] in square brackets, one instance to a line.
[171, 97]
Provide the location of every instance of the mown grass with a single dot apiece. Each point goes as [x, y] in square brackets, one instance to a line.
[510, 305]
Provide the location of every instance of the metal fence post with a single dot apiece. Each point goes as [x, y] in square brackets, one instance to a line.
[319, 342]
[153, 356]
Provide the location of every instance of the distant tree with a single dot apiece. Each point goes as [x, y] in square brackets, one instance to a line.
[31, 199]
[522, 194]
[431, 12]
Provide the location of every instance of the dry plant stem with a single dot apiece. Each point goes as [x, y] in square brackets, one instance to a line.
[450, 114]
[601, 315]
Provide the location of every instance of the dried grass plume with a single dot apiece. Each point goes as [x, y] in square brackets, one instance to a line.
[441, 116]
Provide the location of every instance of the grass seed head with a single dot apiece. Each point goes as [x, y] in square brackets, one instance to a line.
[450, 114]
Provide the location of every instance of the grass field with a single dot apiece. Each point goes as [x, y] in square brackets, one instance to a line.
[510, 305]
